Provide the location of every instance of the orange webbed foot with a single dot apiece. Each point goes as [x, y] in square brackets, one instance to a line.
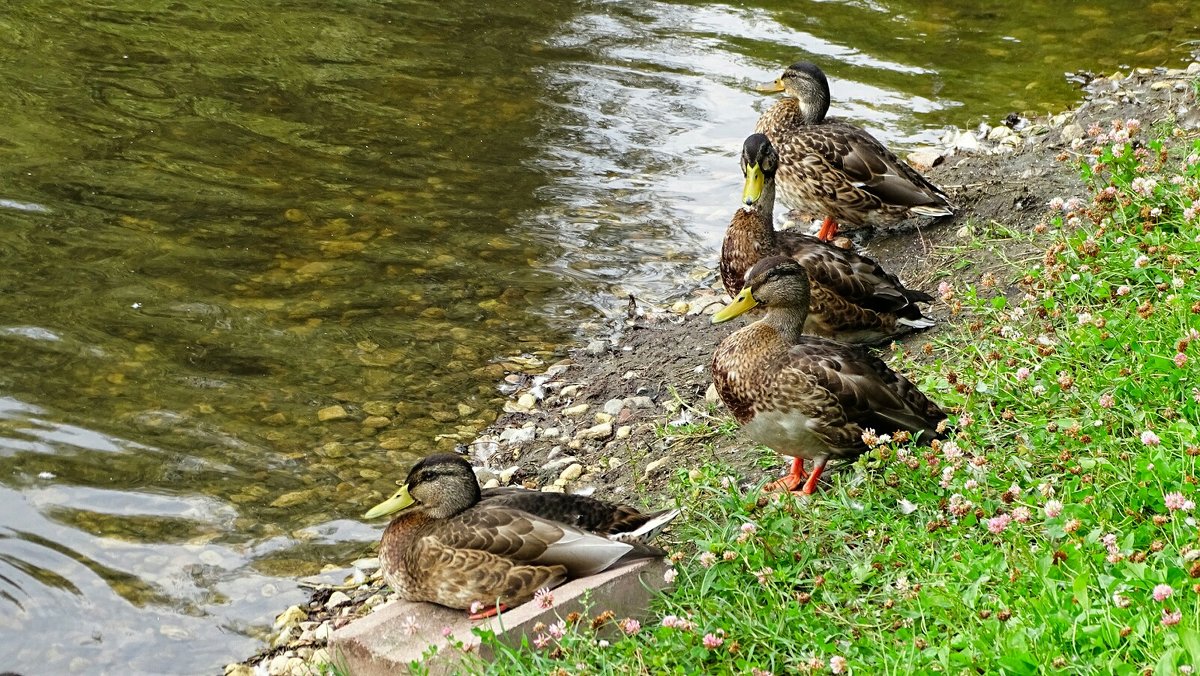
[790, 481]
[490, 611]
[828, 229]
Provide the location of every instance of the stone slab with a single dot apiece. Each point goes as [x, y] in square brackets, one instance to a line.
[389, 640]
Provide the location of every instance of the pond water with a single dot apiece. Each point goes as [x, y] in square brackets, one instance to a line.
[220, 220]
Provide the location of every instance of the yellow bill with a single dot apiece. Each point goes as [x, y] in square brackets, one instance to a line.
[399, 500]
[754, 184]
[770, 87]
[743, 302]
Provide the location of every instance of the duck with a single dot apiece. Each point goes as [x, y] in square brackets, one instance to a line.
[804, 396]
[853, 299]
[450, 546]
[835, 169]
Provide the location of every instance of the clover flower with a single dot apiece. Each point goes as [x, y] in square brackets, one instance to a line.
[1053, 508]
[1162, 592]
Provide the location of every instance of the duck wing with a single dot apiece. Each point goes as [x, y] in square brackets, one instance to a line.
[861, 392]
[877, 170]
[852, 276]
[584, 512]
[529, 539]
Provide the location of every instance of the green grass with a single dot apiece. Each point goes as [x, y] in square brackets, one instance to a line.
[1033, 543]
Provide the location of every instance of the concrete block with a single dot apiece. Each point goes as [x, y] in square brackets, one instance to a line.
[399, 633]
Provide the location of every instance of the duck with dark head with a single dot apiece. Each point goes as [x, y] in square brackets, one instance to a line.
[461, 547]
[832, 168]
[803, 396]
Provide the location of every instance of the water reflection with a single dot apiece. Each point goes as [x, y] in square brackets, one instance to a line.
[219, 221]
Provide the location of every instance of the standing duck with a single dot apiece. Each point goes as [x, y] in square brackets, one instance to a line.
[832, 168]
[450, 546]
[852, 298]
[810, 398]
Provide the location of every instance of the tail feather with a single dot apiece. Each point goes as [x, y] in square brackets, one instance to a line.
[648, 530]
[918, 323]
[932, 210]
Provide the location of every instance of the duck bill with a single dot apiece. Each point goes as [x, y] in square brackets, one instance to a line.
[744, 301]
[772, 87]
[399, 500]
[753, 188]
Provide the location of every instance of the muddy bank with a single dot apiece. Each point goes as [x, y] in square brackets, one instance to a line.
[619, 415]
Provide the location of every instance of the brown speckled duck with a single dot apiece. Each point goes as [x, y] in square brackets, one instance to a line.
[853, 299]
[452, 546]
[810, 398]
[832, 168]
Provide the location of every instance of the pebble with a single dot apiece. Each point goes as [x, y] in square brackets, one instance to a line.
[368, 565]
[238, 670]
[376, 421]
[572, 472]
[624, 431]
[925, 159]
[278, 666]
[601, 431]
[484, 475]
[1072, 131]
[596, 348]
[320, 656]
[614, 406]
[323, 632]
[558, 463]
[711, 395]
[569, 391]
[603, 418]
[999, 133]
[695, 474]
[639, 402]
[335, 412]
[629, 375]
[681, 307]
[377, 408]
[336, 599]
[550, 433]
[527, 401]
[518, 435]
[294, 498]
[962, 140]
[557, 370]
[210, 558]
[290, 617]
[578, 409]
[553, 488]
[506, 475]
[655, 466]
[615, 462]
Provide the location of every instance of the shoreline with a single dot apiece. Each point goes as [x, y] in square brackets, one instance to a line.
[619, 416]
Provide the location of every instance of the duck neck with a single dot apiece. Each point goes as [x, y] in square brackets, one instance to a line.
[757, 221]
[812, 106]
[788, 322]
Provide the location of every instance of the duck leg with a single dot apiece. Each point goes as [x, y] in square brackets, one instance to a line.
[828, 229]
[490, 611]
[810, 486]
[790, 481]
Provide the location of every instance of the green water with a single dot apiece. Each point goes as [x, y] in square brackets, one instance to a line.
[217, 219]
